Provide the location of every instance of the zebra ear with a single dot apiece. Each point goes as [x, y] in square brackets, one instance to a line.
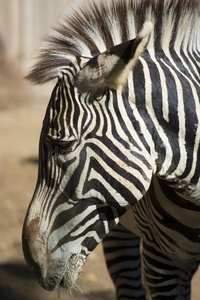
[110, 69]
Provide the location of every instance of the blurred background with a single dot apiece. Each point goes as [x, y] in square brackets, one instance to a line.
[23, 25]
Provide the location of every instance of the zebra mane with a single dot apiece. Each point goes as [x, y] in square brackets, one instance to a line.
[99, 25]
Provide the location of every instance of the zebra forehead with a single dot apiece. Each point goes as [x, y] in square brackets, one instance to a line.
[96, 26]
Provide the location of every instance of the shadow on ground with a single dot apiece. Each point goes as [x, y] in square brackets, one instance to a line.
[17, 283]
[11, 277]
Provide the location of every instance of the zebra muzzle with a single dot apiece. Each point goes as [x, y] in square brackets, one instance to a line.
[64, 277]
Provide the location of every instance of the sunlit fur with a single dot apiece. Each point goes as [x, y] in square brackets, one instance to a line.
[135, 148]
[99, 25]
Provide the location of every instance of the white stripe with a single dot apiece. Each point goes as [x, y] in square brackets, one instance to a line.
[150, 109]
[181, 120]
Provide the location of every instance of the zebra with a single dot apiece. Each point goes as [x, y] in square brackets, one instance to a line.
[119, 155]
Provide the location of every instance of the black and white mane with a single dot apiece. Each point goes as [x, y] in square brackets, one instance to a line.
[99, 25]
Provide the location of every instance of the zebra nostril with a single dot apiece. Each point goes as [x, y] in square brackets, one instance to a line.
[30, 261]
[42, 270]
[35, 268]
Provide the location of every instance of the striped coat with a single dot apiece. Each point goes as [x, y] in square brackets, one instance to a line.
[120, 143]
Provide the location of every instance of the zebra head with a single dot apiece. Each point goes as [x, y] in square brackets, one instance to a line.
[86, 177]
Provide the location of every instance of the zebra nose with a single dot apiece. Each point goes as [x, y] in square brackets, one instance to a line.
[49, 282]
[39, 274]
[48, 271]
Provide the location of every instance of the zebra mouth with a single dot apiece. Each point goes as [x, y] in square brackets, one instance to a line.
[74, 268]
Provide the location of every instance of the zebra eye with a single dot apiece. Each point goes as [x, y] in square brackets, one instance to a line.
[64, 147]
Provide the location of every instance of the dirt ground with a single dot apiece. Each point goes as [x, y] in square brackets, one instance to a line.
[21, 112]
